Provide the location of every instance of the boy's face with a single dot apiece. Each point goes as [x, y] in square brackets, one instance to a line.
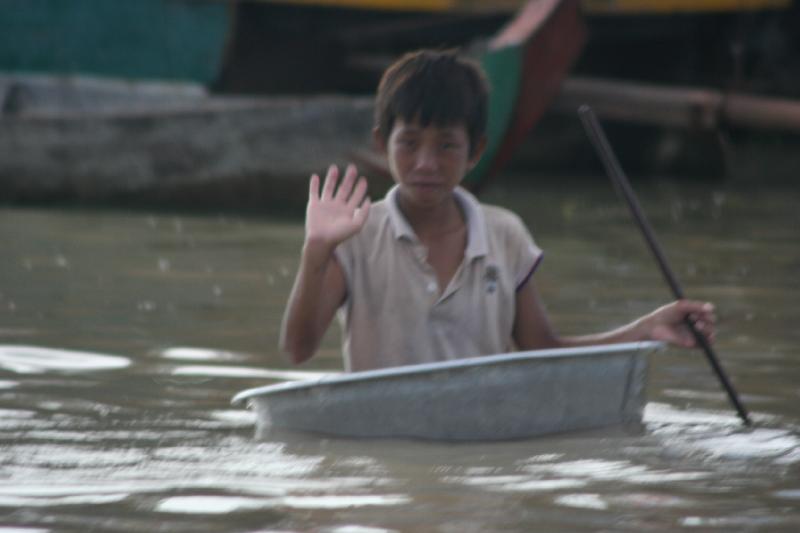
[428, 162]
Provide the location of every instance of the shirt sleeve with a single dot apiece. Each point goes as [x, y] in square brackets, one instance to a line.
[526, 254]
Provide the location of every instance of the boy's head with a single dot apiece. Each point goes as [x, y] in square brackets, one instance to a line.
[438, 88]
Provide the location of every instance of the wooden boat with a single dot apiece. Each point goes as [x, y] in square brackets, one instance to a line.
[526, 63]
[92, 140]
[198, 41]
[499, 397]
[589, 6]
[98, 140]
[137, 40]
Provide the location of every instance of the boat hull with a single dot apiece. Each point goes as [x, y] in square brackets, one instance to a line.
[141, 40]
[501, 397]
[90, 140]
[526, 63]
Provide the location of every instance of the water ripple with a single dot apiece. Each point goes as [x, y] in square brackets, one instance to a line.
[37, 360]
[721, 435]
[223, 371]
[227, 504]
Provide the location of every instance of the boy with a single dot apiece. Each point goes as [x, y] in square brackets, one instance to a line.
[429, 273]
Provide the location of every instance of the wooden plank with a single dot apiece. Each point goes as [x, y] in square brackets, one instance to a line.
[681, 107]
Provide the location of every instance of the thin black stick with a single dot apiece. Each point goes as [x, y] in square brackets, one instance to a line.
[623, 186]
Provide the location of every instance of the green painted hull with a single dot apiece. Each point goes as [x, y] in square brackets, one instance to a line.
[134, 39]
[526, 63]
[504, 69]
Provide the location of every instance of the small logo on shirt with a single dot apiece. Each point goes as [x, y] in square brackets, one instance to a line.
[490, 278]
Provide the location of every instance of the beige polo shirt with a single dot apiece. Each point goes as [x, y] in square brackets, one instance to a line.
[395, 314]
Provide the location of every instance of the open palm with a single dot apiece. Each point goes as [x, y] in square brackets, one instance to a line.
[337, 213]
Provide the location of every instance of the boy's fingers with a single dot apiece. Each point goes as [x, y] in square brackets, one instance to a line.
[358, 194]
[695, 310]
[705, 328]
[706, 316]
[313, 188]
[362, 212]
[702, 327]
[695, 306]
[330, 182]
[343, 193]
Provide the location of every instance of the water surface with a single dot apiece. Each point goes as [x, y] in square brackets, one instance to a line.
[123, 336]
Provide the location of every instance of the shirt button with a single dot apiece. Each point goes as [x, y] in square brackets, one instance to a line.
[431, 286]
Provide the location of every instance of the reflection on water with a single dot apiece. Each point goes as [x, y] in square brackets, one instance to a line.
[36, 360]
[123, 337]
[218, 504]
[245, 372]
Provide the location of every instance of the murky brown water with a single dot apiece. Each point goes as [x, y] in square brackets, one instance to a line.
[123, 337]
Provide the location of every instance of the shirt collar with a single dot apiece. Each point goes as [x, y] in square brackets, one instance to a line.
[477, 245]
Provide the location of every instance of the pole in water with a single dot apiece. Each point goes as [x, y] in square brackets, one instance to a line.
[600, 142]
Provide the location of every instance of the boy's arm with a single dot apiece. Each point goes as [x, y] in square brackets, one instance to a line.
[332, 217]
[318, 290]
[532, 329]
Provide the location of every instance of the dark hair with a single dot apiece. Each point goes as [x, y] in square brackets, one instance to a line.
[434, 87]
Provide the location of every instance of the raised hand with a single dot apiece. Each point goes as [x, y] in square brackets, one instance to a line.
[667, 323]
[337, 213]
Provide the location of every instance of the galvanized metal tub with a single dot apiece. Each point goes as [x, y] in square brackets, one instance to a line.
[498, 397]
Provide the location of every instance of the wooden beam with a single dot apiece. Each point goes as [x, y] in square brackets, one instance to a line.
[683, 107]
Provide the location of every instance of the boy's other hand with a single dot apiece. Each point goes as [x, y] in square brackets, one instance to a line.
[667, 323]
[336, 214]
